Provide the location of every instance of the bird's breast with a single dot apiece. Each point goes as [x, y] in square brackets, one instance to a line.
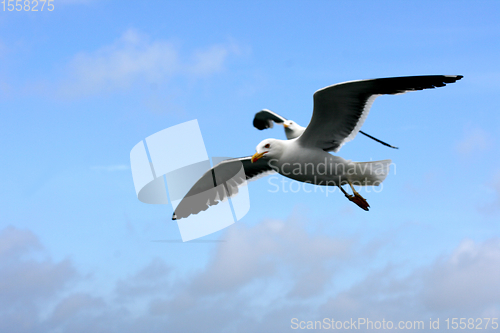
[312, 166]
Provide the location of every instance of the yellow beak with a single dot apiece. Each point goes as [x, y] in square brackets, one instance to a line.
[285, 125]
[257, 156]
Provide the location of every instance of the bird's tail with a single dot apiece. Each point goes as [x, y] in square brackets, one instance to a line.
[370, 173]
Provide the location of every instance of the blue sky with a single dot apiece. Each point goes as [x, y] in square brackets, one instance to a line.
[81, 85]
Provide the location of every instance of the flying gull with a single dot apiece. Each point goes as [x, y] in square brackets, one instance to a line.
[339, 112]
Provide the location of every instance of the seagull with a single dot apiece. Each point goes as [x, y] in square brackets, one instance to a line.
[266, 119]
[339, 111]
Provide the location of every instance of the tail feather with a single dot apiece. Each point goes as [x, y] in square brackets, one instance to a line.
[370, 173]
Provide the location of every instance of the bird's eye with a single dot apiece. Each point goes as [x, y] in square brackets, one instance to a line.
[267, 146]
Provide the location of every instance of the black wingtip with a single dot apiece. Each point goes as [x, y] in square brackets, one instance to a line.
[265, 119]
[259, 124]
[453, 78]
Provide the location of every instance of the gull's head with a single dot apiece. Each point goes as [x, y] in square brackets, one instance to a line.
[292, 129]
[269, 148]
[289, 124]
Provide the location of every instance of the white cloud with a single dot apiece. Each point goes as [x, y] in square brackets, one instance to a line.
[14, 243]
[492, 206]
[24, 279]
[26, 283]
[146, 282]
[134, 57]
[256, 281]
[463, 284]
[75, 305]
[252, 259]
[268, 250]
[211, 60]
[474, 140]
[466, 280]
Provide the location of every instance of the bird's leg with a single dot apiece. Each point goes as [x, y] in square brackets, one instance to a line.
[345, 193]
[356, 198]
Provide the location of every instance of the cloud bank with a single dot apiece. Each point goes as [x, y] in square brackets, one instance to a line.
[257, 281]
[135, 58]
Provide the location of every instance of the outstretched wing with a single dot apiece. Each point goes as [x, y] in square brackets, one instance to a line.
[231, 174]
[266, 119]
[341, 109]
